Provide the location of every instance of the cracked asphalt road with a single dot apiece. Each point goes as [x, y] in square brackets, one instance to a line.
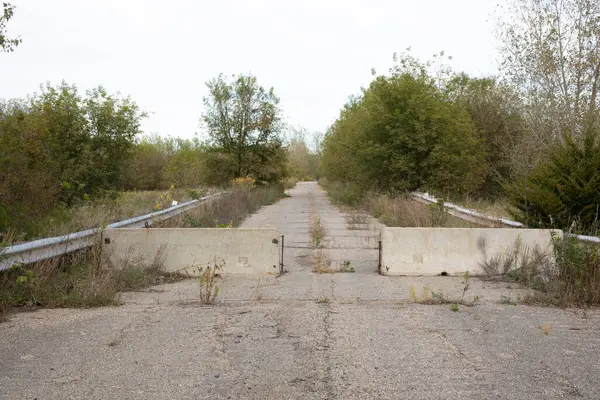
[270, 338]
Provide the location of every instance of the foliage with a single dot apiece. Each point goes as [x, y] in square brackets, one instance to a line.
[246, 184]
[437, 214]
[243, 121]
[75, 280]
[346, 267]
[563, 190]
[58, 148]
[146, 167]
[496, 112]
[303, 161]
[577, 273]
[402, 134]
[7, 44]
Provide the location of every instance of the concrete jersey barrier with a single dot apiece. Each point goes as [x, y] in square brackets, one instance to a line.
[242, 251]
[431, 251]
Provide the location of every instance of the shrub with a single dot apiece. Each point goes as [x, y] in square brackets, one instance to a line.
[75, 280]
[567, 275]
[563, 190]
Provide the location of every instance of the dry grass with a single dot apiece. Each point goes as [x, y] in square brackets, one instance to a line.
[546, 328]
[317, 231]
[495, 208]
[566, 275]
[227, 210]
[322, 265]
[403, 211]
[101, 212]
[356, 220]
[428, 296]
[76, 280]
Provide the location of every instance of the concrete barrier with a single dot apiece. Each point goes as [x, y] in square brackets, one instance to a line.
[431, 251]
[242, 251]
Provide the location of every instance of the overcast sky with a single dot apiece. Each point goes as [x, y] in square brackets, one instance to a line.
[161, 53]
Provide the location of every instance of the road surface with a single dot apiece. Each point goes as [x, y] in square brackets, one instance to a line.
[305, 335]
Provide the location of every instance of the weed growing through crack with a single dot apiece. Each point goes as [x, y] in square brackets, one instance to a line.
[346, 267]
[507, 300]
[466, 284]
[546, 328]
[454, 307]
[431, 297]
[317, 232]
[355, 221]
[323, 300]
[322, 264]
[207, 280]
[412, 294]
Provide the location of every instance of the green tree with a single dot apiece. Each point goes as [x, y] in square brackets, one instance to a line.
[7, 44]
[497, 113]
[243, 121]
[114, 123]
[402, 134]
[303, 161]
[187, 167]
[57, 147]
[146, 167]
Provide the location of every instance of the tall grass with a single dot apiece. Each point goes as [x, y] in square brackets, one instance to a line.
[75, 280]
[394, 210]
[576, 276]
[227, 210]
[566, 275]
[114, 206]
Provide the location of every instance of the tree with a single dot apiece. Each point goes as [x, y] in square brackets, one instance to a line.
[303, 161]
[60, 147]
[114, 123]
[146, 167]
[563, 190]
[496, 111]
[7, 44]
[551, 52]
[243, 121]
[403, 134]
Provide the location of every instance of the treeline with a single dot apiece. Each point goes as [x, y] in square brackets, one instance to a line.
[61, 148]
[529, 134]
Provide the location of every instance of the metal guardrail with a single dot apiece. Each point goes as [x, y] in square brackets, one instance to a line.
[465, 211]
[43, 249]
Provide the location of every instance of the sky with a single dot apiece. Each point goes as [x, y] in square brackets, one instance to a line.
[161, 53]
